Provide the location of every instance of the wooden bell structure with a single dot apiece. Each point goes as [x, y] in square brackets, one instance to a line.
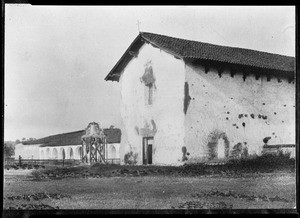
[93, 144]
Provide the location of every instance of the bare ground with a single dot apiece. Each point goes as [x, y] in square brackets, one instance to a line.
[264, 191]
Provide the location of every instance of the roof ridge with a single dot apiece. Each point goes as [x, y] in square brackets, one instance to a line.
[62, 134]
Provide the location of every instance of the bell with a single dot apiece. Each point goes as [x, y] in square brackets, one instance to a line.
[93, 130]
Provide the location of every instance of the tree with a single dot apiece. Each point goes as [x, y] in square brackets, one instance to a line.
[18, 141]
[9, 150]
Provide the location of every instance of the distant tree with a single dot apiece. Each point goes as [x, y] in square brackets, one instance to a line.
[18, 141]
[9, 149]
[23, 139]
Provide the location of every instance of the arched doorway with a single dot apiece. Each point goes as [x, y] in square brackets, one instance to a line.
[62, 154]
[54, 153]
[80, 152]
[71, 153]
[48, 156]
[221, 149]
[218, 146]
[112, 152]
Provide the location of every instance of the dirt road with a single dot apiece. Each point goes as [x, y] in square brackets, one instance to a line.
[268, 191]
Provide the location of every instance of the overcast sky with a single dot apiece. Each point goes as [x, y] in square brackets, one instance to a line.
[56, 58]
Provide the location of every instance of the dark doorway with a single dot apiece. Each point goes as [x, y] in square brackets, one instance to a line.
[147, 150]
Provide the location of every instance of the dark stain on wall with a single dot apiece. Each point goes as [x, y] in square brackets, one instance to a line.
[244, 124]
[184, 153]
[228, 112]
[264, 117]
[252, 116]
[266, 139]
[226, 118]
[275, 113]
[148, 77]
[240, 116]
[245, 115]
[187, 97]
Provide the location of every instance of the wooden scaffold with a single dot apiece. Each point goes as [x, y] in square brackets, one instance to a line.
[93, 144]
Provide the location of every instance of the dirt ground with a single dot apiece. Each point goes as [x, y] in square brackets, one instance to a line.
[266, 191]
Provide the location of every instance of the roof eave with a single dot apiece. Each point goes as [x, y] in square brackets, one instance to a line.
[114, 74]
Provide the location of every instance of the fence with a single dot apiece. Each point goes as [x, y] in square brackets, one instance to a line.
[12, 161]
[113, 160]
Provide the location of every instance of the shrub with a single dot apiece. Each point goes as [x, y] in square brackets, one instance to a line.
[130, 158]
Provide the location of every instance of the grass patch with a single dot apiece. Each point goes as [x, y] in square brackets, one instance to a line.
[267, 163]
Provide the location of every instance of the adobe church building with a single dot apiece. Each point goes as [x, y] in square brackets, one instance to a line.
[187, 101]
[67, 144]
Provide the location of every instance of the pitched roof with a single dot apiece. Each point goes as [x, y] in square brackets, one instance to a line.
[113, 135]
[188, 49]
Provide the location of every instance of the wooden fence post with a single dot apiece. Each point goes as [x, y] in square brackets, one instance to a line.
[20, 162]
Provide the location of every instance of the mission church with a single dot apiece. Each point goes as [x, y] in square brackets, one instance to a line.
[188, 101]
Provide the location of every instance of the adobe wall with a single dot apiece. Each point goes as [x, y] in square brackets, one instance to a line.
[164, 119]
[55, 152]
[236, 110]
[113, 150]
[27, 151]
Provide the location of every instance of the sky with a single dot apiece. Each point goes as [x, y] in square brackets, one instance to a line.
[56, 57]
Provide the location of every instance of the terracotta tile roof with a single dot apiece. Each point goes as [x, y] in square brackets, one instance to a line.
[188, 49]
[74, 138]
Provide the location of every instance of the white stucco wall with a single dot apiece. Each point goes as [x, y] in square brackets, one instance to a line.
[37, 152]
[166, 110]
[113, 150]
[214, 99]
[27, 151]
[59, 149]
